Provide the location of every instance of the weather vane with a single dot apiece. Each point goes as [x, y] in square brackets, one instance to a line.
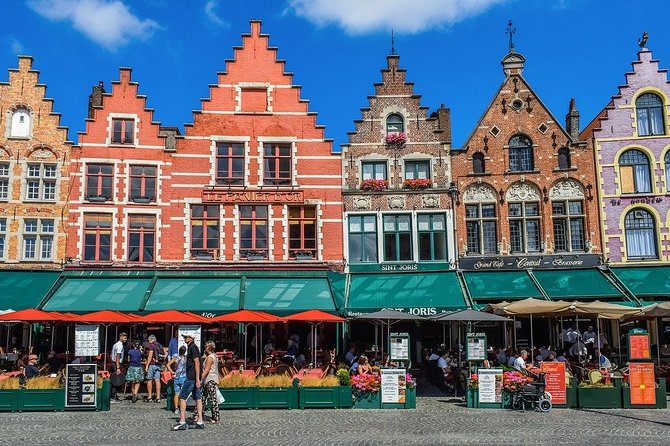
[642, 42]
[392, 43]
[511, 30]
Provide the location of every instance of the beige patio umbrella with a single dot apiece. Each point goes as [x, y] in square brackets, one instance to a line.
[528, 306]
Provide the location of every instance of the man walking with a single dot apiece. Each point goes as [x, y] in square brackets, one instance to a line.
[117, 361]
[153, 368]
[192, 386]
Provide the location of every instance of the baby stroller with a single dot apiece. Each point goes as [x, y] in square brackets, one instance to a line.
[533, 393]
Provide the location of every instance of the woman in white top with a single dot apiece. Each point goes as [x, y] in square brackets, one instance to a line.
[210, 379]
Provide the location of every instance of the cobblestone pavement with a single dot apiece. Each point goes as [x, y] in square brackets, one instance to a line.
[435, 421]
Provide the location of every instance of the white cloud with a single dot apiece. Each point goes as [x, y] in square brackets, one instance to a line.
[405, 16]
[106, 22]
[210, 11]
[16, 46]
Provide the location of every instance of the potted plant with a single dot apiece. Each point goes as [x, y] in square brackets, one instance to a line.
[417, 184]
[366, 391]
[472, 395]
[253, 254]
[410, 391]
[324, 392]
[374, 185]
[599, 396]
[303, 254]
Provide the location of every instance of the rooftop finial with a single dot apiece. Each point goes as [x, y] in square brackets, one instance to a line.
[392, 43]
[511, 30]
[642, 41]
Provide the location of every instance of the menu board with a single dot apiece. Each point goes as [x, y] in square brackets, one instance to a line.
[638, 346]
[80, 386]
[642, 383]
[193, 330]
[475, 347]
[399, 346]
[393, 386]
[86, 340]
[490, 385]
[554, 381]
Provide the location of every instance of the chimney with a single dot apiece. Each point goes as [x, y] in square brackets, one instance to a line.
[444, 123]
[95, 98]
[572, 121]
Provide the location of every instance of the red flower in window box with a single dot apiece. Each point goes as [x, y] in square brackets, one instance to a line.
[417, 184]
[396, 139]
[374, 185]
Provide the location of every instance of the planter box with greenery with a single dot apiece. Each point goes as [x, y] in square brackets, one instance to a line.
[471, 398]
[324, 393]
[661, 398]
[34, 400]
[410, 398]
[277, 397]
[8, 400]
[367, 400]
[599, 396]
[238, 398]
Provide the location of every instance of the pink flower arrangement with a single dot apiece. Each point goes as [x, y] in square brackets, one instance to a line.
[410, 382]
[416, 184]
[473, 382]
[513, 380]
[375, 185]
[366, 383]
[396, 138]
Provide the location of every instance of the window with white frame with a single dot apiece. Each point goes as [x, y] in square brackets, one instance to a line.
[640, 227]
[3, 236]
[20, 123]
[650, 119]
[397, 238]
[524, 227]
[41, 182]
[4, 181]
[123, 131]
[568, 218]
[38, 238]
[362, 238]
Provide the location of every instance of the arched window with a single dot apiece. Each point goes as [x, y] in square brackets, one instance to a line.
[20, 123]
[520, 154]
[640, 235]
[667, 171]
[649, 115]
[478, 163]
[635, 173]
[395, 123]
[564, 158]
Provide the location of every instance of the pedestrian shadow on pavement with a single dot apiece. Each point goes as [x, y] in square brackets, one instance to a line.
[625, 416]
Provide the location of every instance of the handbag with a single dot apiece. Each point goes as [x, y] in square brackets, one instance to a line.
[118, 379]
[219, 397]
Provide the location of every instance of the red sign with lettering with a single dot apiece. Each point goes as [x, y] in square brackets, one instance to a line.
[642, 383]
[554, 381]
[639, 346]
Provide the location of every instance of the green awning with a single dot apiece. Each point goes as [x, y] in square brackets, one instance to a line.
[283, 296]
[577, 284]
[646, 282]
[212, 294]
[500, 285]
[83, 295]
[24, 289]
[418, 293]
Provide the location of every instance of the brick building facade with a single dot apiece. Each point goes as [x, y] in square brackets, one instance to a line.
[526, 184]
[34, 173]
[632, 144]
[120, 181]
[396, 176]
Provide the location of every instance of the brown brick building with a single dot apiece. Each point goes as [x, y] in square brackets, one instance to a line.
[525, 184]
[396, 169]
[34, 174]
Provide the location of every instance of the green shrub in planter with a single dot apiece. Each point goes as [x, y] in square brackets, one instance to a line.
[599, 396]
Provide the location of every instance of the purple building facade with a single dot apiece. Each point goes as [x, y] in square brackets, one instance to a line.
[631, 142]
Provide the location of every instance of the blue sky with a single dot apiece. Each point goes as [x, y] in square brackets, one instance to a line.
[335, 48]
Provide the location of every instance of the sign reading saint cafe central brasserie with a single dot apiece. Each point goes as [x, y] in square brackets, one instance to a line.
[530, 262]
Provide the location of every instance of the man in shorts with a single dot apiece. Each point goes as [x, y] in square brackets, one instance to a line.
[153, 369]
[192, 386]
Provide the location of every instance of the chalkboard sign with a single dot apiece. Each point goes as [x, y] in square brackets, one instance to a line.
[80, 386]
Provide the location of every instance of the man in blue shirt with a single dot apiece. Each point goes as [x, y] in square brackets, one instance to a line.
[351, 355]
[173, 346]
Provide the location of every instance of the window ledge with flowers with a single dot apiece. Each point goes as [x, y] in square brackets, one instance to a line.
[304, 254]
[417, 184]
[374, 185]
[396, 140]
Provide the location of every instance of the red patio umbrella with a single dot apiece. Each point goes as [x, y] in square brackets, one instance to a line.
[246, 317]
[31, 315]
[314, 318]
[105, 317]
[173, 317]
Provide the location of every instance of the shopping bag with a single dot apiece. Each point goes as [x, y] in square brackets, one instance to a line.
[219, 397]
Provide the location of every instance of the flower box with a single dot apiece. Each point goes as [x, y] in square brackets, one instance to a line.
[277, 397]
[367, 400]
[661, 398]
[374, 185]
[325, 397]
[417, 184]
[238, 398]
[410, 398]
[600, 397]
[396, 139]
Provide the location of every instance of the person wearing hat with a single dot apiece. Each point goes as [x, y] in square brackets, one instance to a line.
[31, 369]
[192, 386]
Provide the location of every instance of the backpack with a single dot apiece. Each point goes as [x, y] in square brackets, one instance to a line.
[159, 352]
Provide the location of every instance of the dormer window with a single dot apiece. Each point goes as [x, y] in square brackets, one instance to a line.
[20, 123]
[123, 131]
[478, 163]
[395, 123]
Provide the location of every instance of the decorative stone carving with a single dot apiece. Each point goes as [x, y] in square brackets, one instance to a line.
[430, 201]
[3, 153]
[42, 154]
[396, 202]
[566, 189]
[362, 202]
[523, 192]
[479, 192]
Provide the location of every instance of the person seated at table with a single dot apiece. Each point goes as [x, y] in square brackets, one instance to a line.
[551, 357]
[520, 361]
[511, 358]
[561, 357]
[300, 359]
[353, 370]
[269, 346]
[364, 367]
[53, 363]
[603, 362]
[350, 357]
[291, 349]
[31, 370]
[434, 355]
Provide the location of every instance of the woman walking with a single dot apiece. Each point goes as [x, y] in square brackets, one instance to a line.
[210, 378]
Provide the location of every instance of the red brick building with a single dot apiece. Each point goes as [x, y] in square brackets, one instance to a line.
[120, 181]
[526, 184]
[254, 177]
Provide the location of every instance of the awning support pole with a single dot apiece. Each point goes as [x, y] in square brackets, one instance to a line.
[532, 339]
[514, 332]
[658, 345]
